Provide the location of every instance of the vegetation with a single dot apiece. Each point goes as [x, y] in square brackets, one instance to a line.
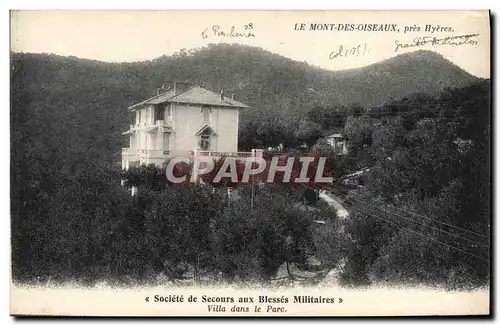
[428, 154]
[424, 212]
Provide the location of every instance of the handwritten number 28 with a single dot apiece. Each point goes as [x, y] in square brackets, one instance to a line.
[249, 26]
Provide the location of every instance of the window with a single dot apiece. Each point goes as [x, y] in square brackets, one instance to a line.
[159, 112]
[205, 141]
[206, 114]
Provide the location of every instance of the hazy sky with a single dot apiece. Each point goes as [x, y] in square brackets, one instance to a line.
[144, 35]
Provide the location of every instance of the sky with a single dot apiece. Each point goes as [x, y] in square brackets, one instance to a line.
[123, 36]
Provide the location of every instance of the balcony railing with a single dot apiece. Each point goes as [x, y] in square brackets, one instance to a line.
[166, 153]
[222, 154]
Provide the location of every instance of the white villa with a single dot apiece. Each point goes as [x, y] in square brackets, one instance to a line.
[183, 120]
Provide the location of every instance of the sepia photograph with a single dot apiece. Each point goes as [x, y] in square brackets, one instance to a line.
[250, 163]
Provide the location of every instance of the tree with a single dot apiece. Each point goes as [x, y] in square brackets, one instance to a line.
[422, 213]
[179, 229]
[308, 132]
[359, 131]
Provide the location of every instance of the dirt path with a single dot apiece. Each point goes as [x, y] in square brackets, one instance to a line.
[334, 201]
[327, 277]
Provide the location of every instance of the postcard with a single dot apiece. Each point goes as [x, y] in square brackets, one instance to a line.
[250, 163]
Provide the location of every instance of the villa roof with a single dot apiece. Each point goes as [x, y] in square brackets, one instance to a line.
[194, 95]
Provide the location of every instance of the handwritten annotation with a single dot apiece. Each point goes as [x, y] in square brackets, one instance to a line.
[355, 51]
[218, 31]
[432, 40]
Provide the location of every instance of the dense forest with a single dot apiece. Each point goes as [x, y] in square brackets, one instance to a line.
[421, 124]
[424, 211]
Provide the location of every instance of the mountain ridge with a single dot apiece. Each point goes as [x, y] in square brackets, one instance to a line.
[242, 60]
[165, 56]
[89, 96]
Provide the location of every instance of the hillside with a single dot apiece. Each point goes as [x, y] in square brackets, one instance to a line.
[420, 71]
[83, 101]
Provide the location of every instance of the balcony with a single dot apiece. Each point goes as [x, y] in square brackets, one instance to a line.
[130, 131]
[155, 126]
[148, 124]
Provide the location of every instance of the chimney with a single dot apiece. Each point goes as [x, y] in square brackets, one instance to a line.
[222, 95]
[232, 97]
[175, 87]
